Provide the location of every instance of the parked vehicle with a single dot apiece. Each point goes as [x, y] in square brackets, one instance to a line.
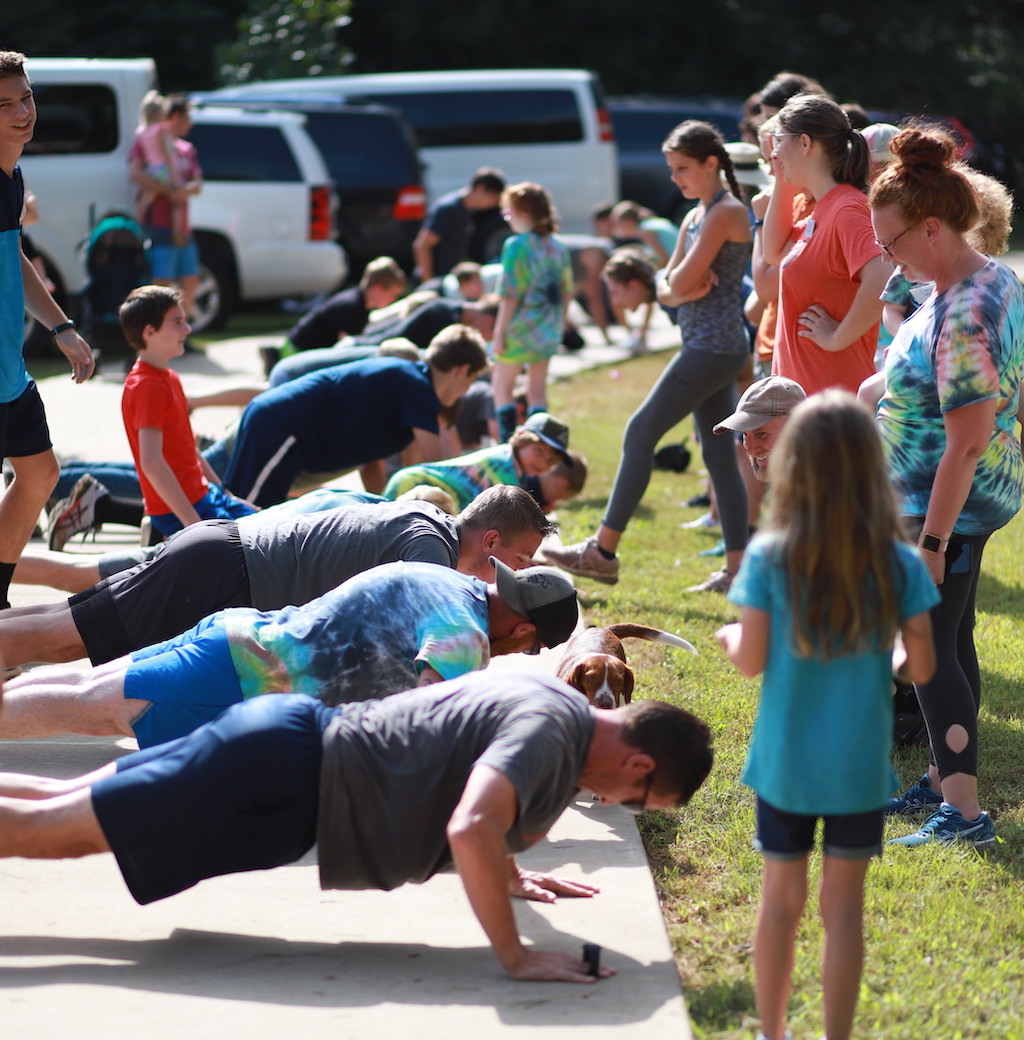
[265, 219]
[641, 124]
[545, 125]
[370, 153]
[77, 165]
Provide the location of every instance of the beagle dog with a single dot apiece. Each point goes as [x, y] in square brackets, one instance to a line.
[595, 663]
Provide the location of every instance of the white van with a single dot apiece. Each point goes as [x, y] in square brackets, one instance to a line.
[544, 125]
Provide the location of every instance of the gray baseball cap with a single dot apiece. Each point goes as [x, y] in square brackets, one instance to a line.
[762, 401]
[550, 430]
[542, 595]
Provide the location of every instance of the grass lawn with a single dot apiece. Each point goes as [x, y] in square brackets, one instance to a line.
[944, 927]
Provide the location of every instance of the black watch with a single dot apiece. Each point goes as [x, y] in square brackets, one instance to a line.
[62, 327]
[933, 543]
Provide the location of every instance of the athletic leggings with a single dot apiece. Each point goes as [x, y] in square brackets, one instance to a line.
[953, 696]
[703, 383]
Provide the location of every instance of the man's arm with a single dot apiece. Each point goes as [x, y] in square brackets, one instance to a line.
[476, 836]
[42, 306]
[423, 252]
[162, 477]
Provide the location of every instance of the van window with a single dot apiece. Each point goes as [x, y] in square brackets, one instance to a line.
[243, 153]
[74, 119]
[379, 137]
[446, 118]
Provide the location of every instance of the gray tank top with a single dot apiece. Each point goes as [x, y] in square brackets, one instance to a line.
[715, 322]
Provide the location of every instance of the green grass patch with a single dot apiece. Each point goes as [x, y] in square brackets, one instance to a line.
[944, 928]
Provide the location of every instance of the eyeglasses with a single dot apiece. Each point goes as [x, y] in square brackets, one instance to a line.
[636, 807]
[886, 247]
[778, 137]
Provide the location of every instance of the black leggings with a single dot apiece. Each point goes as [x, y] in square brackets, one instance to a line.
[953, 696]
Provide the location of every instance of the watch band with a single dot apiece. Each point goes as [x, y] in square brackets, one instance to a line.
[62, 327]
[933, 543]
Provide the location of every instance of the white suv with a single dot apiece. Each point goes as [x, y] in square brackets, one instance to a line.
[264, 220]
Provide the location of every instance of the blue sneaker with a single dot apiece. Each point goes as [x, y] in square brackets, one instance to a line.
[718, 549]
[949, 827]
[922, 797]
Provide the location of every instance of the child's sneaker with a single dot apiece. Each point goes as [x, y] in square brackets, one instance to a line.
[921, 797]
[584, 559]
[949, 827]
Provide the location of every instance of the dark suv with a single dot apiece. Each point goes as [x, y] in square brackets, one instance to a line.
[370, 153]
[641, 124]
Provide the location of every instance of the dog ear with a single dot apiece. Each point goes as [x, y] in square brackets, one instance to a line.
[574, 677]
[627, 686]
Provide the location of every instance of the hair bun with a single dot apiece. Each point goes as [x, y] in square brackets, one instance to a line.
[924, 146]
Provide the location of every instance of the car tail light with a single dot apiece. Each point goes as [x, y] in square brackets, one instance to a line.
[321, 214]
[411, 204]
[605, 130]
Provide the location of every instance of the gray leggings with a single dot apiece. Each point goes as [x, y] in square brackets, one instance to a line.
[705, 384]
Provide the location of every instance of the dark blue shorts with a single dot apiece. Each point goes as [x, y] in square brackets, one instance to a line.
[216, 504]
[786, 835]
[238, 794]
[189, 681]
[23, 429]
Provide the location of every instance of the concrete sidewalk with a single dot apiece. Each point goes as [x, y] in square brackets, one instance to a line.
[268, 954]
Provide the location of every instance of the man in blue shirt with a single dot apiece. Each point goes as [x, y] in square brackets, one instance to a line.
[24, 435]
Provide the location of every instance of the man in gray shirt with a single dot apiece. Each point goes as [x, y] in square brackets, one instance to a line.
[223, 563]
[460, 776]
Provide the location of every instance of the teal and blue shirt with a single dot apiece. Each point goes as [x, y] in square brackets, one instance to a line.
[962, 346]
[13, 377]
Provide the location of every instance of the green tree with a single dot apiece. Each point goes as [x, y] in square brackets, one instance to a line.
[283, 38]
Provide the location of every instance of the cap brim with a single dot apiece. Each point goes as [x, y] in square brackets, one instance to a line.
[742, 422]
[552, 443]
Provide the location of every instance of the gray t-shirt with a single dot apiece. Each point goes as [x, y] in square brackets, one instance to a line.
[298, 560]
[394, 770]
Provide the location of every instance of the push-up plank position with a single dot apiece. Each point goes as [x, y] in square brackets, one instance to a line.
[389, 629]
[259, 563]
[460, 776]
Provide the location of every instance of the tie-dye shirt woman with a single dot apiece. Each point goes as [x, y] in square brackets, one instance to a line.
[963, 346]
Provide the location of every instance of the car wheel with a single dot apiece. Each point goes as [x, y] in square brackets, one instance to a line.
[216, 296]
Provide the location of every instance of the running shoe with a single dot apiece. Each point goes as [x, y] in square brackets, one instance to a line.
[921, 797]
[703, 522]
[719, 581]
[585, 560]
[76, 513]
[718, 549]
[948, 827]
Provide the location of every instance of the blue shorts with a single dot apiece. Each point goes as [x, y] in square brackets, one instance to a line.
[188, 680]
[238, 794]
[216, 504]
[23, 429]
[787, 836]
[169, 262]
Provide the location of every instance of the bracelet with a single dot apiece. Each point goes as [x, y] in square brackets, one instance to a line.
[759, 223]
[62, 327]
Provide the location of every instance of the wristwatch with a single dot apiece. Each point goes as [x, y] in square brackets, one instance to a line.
[933, 543]
[62, 327]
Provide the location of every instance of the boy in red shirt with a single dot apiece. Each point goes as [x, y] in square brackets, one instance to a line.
[178, 486]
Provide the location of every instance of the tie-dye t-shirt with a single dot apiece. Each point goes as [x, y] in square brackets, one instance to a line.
[369, 637]
[463, 477]
[962, 346]
[538, 271]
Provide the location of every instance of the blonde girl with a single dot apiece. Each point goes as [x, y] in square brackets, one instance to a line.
[536, 290]
[822, 596]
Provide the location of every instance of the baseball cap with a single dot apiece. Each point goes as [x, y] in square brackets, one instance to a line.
[542, 595]
[550, 430]
[761, 401]
[878, 137]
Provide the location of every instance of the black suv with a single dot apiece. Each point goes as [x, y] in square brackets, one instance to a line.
[370, 153]
[641, 124]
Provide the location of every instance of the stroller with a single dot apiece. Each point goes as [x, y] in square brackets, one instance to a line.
[116, 263]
